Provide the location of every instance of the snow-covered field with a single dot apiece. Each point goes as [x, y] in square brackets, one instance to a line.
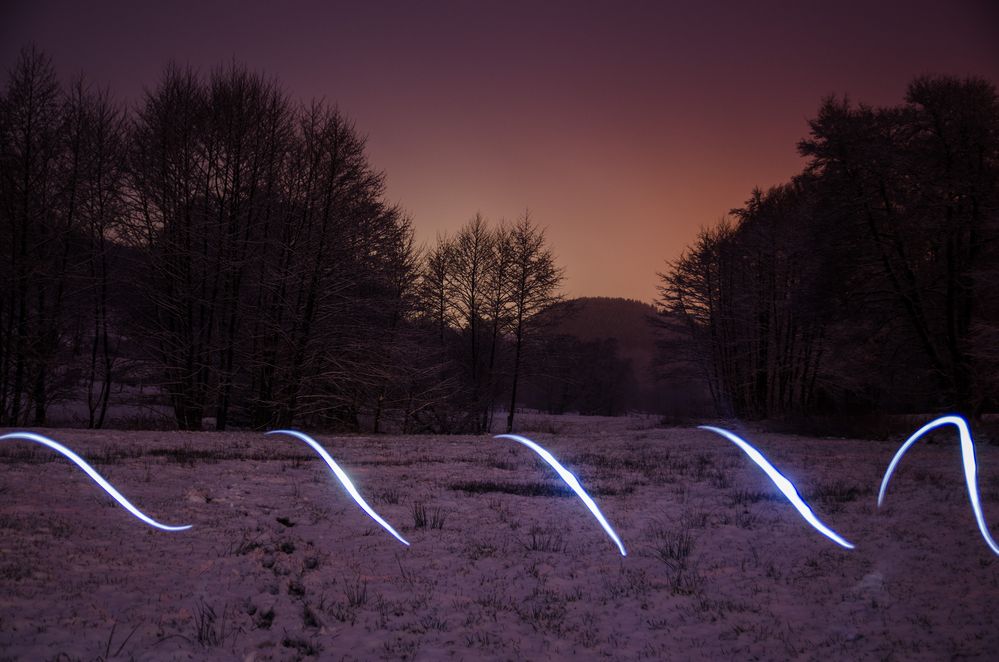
[505, 564]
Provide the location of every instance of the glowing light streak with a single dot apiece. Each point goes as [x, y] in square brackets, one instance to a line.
[571, 481]
[97, 478]
[783, 484]
[970, 469]
[344, 480]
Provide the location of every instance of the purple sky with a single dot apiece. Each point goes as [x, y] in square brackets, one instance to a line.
[623, 129]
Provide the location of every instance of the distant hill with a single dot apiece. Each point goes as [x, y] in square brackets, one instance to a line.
[612, 368]
[623, 320]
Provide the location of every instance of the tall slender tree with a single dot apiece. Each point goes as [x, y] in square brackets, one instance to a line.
[535, 280]
[95, 134]
[34, 236]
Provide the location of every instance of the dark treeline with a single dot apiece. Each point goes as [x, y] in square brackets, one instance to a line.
[870, 282]
[235, 250]
[484, 292]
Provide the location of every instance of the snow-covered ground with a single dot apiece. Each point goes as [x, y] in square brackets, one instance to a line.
[282, 564]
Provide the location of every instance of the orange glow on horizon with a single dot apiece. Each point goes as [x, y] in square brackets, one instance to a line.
[623, 129]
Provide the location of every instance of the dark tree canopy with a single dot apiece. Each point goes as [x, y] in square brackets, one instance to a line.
[232, 252]
[869, 281]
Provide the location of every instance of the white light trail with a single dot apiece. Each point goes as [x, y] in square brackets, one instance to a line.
[571, 481]
[344, 480]
[783, 484]
[97, 478]
[970, 469]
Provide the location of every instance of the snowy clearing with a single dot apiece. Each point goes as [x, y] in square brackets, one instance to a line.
[505, 562]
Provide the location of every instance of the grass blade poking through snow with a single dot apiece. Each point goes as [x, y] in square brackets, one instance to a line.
[97, 478]
[571, 481]
[782, 483]
[344, 480]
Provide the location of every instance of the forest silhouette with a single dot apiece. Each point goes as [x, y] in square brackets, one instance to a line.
[229, 255]
[870, 282]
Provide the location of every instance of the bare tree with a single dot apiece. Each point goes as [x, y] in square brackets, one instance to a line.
[391, 354]
[247, 139]
[434, 293]
[535, 279]
[273, 261]
[748, 296]
[689, 299]
[863, 279]
[253, 254]
[34, 236]
[95, 156]
[499, 290]
[173, 231]
[472, 260]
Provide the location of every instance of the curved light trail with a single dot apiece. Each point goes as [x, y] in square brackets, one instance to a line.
[571, 481]
[970, 469]
[344, 480]
[97, 478]
[783, 484]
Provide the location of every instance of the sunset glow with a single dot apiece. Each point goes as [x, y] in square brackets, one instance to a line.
[623, 127]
